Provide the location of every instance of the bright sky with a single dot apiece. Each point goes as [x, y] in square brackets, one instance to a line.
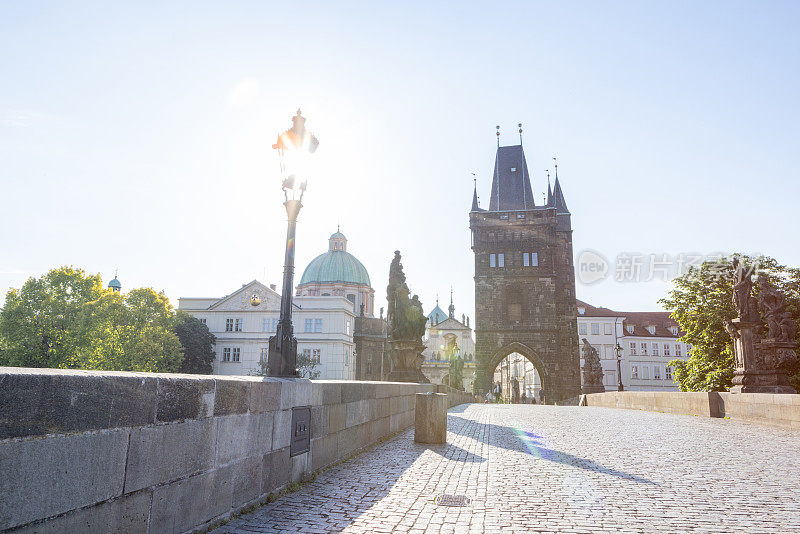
[139, 136]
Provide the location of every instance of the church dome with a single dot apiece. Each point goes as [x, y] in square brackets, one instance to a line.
[336, 265]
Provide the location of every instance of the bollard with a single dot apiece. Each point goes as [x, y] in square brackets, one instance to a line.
[430, 418]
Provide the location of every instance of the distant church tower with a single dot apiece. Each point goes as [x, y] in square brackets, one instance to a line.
[524, 279]
[115, 284]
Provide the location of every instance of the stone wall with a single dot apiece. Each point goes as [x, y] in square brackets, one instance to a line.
[86, 451]
[765, 408]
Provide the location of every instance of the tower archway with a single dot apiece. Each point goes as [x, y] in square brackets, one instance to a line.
[491, 364]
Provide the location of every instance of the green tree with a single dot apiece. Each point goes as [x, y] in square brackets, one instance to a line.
[133, 332]
[702, 301]
[66, 319]
[39, 322]
[198, 344]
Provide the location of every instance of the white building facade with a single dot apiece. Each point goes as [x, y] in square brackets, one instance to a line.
[323, 327]
[649, 340]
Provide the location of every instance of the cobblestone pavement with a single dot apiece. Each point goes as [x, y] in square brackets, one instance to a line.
[556, 469]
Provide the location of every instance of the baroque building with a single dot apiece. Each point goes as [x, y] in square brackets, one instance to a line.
[338, 273]
[332, 317]
[323, 327]
[524, 279]
[648, 341]
[446, 337]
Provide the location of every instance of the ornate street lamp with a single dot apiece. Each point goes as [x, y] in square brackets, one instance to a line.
[619, 367]
[294, 147]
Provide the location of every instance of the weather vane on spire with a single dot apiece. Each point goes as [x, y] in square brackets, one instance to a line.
[498, 135]
[520, 133]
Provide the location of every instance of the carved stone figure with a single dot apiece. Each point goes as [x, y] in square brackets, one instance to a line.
[761, 363]
[742, 298]
[592, 370]
[772, 305]
[406, 327]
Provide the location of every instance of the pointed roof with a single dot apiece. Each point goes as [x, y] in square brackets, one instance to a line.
[511, 183]
[558, 199]
[437, 315]
[549, 193]
[475, 206]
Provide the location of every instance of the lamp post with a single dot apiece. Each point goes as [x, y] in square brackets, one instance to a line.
[619, 367]
[294, 146]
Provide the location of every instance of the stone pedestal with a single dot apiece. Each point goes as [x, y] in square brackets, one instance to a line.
[407, 360]
[430, 418]
[761, 365]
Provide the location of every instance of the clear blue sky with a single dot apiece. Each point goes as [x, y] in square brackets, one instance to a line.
[138, 136]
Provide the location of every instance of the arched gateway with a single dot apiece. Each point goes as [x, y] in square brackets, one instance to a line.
[524, 280]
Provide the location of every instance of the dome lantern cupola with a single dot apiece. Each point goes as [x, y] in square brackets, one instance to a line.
[337, 241]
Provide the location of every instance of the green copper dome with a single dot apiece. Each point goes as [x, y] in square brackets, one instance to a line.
[336, 265]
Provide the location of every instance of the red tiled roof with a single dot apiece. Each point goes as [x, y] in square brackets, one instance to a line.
[639, 320]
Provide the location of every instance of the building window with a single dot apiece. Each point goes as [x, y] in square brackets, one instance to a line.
[582, 329]
[526, 259]
[666, 349]
[645, 372]
[633, 349]
[346, 327]
[595, 329]
[309, 325]
[629, 328]
[239, 325]
[534, 259]
[351, 298]
[669, 373]
[237, 352]
[635, 371]
[226, 354]
[264, 356]
[644, 349]
[501, 260]
[307, 354]
[203, 320]
[655, 349]
[607, 329]
[229, 325]
[492, 260]
[673, 330]
[316, 356]
[656, 372]
[318, 325]
[651, 329]
[678, 350]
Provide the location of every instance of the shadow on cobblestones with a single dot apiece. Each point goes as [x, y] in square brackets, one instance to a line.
[532, 444]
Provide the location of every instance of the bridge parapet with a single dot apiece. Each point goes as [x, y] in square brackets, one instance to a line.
[96, 451]
[773, 409]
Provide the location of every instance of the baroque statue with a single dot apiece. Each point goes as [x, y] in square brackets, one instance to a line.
[763, 354]
[406, 327]
[592, 370]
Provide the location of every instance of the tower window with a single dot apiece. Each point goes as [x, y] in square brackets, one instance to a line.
[492, 260]
[513, 169]
[237, 353]
[501, 260]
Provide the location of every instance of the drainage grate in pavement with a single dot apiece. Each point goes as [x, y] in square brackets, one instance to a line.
[451, 500]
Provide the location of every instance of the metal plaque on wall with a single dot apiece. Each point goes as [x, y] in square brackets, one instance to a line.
[301, 430]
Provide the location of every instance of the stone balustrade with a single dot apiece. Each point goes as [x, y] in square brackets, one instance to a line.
[96, 451]
[774, 409]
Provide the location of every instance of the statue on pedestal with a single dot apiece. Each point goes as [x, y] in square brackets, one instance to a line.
[762, 363]
[592, 370]
[406, 327]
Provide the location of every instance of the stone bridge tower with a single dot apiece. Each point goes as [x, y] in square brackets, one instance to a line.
[524, 279]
